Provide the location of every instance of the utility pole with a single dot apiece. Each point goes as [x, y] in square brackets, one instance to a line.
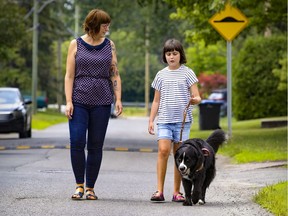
[36, 11]
[147, 66]
[77, 14]
[59, 75]
[35, 57]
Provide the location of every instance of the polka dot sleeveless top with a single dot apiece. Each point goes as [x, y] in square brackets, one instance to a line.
[92, 84]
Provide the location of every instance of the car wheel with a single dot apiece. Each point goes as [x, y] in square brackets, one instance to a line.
[29, 133]
[23, 134]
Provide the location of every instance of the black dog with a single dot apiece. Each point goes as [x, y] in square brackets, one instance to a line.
[195, 160]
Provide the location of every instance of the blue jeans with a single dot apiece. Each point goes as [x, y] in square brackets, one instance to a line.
[94, 120]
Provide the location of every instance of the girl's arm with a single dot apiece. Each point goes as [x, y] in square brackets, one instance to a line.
[154, 111]
[194, 93]
[116, 81]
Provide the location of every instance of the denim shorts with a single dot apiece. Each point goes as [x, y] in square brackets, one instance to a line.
[172, 131]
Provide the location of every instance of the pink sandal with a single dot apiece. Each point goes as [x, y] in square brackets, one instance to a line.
[178, 197]
[157, 197]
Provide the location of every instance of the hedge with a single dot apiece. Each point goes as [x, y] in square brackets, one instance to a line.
[255, 86]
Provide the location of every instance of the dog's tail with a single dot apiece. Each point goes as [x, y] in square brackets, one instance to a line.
[217, 138]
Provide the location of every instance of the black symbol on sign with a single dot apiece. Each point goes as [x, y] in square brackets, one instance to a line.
[228, 19]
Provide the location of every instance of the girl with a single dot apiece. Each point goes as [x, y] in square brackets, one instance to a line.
[175, 86]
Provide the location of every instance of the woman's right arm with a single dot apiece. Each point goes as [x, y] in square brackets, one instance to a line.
[69, 77]
[154, 111]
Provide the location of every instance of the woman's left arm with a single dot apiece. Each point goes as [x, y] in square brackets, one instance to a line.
[195, 96]
[116, 81]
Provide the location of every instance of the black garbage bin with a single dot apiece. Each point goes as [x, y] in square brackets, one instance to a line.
[209, 114]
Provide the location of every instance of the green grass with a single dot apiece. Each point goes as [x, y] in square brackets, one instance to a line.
[274, 198]
[249, 142]
[257, 145]
[133, 111]
[42, 120]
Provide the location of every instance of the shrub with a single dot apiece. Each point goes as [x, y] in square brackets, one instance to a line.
[208, 82]
[255, 86]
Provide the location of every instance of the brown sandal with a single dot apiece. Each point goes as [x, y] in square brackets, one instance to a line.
[78, 193]
[90, 194]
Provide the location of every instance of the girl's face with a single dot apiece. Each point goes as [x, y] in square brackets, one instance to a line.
[173, 59]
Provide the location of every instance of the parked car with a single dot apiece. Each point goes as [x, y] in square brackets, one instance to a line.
[42, 101]
[15, 112]
[112, 113]
[220, 95]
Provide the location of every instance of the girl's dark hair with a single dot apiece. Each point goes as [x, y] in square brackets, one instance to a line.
[171, 45]
[93, 21]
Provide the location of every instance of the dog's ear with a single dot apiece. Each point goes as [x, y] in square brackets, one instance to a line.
[206, 152]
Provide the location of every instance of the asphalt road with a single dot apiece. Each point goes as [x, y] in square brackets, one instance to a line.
[40, 181]
[122, 133]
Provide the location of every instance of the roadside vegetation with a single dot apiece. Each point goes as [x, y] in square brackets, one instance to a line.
[42, 120]
[274, 198]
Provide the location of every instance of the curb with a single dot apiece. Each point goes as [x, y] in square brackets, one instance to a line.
[119, 149]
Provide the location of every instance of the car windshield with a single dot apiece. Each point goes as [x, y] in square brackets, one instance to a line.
[9, 97]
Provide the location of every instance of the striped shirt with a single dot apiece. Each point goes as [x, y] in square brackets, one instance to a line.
[174, 87]
[92, 84]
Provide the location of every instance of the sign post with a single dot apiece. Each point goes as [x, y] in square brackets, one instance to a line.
[229, 23]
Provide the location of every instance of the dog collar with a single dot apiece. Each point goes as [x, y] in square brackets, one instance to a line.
[200, 168]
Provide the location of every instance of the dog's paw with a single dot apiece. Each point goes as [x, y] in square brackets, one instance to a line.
[201, 202]
[187, 203]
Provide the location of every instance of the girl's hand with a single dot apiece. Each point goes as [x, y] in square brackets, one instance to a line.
[195, 100]
[151, 128]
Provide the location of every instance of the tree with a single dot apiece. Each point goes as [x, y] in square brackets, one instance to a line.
[16, 42]
[207, 58]
[257, 74]
[281, 73]
[265, 17]
[13, 29]
[13, 37]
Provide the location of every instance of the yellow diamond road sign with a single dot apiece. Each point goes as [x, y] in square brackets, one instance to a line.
[229, 22]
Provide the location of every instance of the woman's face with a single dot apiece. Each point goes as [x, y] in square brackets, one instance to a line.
[173, 59]
[104, 28]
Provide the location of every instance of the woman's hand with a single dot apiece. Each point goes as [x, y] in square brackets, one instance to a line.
[69, 110]
[118, 107]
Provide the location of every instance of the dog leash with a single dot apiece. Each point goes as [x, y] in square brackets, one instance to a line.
[183, 122]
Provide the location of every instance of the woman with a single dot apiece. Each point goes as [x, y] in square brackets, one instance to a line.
[92, 83]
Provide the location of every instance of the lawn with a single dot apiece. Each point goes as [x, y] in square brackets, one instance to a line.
[274, 198]
[42, 120]
[249, 142]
